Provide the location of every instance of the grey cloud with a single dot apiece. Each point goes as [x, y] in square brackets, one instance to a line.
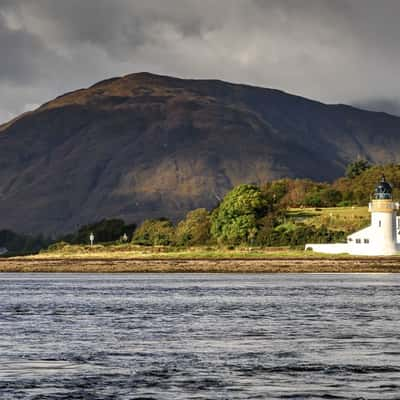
[121, 24]
[331, 50]
[21, 54]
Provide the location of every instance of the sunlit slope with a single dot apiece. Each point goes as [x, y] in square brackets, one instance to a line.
[335, 218]
[148, 146]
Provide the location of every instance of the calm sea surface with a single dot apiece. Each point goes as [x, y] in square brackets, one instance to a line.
[198, 336]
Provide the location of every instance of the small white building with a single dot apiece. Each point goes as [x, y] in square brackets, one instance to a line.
[381, 238]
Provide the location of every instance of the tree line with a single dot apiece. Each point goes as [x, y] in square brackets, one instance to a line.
[249, 214]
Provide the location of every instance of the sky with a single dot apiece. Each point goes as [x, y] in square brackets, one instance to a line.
[335, 51]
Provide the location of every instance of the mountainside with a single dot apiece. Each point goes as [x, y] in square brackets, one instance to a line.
[146, 146]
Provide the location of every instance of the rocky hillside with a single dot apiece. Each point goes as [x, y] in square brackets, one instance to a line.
[145, 146]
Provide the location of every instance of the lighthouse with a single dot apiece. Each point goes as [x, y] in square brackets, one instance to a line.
[381, 238]
[383, 229]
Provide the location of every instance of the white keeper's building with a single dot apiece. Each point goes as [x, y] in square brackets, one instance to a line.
[381, 238]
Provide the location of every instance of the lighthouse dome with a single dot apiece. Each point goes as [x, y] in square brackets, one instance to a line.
[383, 190]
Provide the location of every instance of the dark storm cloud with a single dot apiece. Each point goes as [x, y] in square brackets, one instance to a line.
[332, 50]
[21, 54]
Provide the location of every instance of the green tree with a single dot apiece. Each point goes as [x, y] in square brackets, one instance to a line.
[106, 230]
[323, 197]
[356, 168]
[155, 232]
[275, 191]
[235, 220]
[331, 197]
[313, 199]
[195, 228]
[21, 244]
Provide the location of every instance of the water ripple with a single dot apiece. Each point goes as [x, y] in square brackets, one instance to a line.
[199, 336]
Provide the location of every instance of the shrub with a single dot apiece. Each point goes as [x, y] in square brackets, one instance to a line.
[194, 229]
[57, 246]
[155, 232]
[106, 230]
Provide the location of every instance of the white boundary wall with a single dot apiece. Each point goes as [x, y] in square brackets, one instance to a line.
[330, 248]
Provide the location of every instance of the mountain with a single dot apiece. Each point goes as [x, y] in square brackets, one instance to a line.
[144, 146]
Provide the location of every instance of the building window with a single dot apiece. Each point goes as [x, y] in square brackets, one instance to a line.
[366, 241]
[358, 241]
[350, 239]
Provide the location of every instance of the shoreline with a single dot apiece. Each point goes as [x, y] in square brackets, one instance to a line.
[201, 265]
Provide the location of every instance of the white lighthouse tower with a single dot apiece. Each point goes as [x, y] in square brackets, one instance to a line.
[383, 229]
[381, 238]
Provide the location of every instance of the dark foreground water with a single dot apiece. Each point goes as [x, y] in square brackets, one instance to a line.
[196, 336]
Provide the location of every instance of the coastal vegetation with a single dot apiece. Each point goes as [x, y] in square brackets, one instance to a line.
[131, 251]
[105, 231]
[20, 244]
[270, 220]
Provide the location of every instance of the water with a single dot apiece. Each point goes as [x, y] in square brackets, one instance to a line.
[198, 336]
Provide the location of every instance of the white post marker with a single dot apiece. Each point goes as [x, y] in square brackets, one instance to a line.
[91, 238]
